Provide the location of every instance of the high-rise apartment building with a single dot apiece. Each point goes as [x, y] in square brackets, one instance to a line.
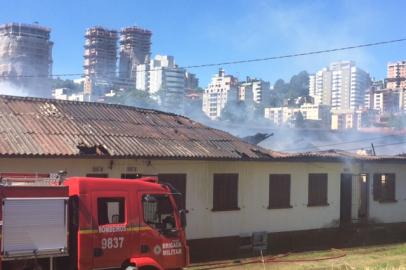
[26, 57]
[221, 90]
[100, 60]
[387, 100]
[191, 82]
[286, 115]
[135, 49]
[396, 75]
[255, 90]
[162, 78]
[342, 86]
[320, 87]
[369, 94]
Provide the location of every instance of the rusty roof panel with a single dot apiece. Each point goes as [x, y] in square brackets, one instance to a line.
[45, 127]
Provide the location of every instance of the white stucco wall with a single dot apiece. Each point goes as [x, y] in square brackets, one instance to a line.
[388, 212]
[253, 191]
[253, 200]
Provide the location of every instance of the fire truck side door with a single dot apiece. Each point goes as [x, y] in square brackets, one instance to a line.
[160, 230]
[112, 236]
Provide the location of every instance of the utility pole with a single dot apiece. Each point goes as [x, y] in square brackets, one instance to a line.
[373, 149]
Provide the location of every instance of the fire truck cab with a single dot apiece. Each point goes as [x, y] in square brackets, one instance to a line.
[111, 224]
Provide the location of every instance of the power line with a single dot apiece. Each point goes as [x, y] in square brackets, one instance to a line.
[299, 54]
[381, 145]
[357, 148]
[315, 146]
[236, 61]
[341, 143]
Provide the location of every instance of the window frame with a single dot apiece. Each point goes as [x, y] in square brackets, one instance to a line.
[121, 209]
[220, 205]
[143, 208]
[284, 205]
[312, 190]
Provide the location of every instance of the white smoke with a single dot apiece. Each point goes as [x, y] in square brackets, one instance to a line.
[8, 88]
[295, 140]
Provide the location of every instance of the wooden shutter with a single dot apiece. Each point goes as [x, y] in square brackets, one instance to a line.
[377, 187]
[391, 187]
[279, 191]
[232, 191]
[225, 192]
[317, 189]
[130, 175]
[97, 175]
[178, 181]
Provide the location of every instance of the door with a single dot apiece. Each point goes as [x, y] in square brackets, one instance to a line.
[345, 199]
[161, 236]
[111, 239]
[178, 181]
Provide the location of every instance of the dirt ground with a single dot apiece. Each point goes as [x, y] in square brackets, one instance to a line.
[387, 257]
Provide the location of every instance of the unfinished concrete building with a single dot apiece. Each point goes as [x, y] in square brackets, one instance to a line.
[100, 60]
[25, 59]
[135, 49]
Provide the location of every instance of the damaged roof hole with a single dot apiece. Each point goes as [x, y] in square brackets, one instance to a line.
[99, 150]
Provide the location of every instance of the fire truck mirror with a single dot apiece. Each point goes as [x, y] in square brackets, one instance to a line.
[182, 215]
[150, 199]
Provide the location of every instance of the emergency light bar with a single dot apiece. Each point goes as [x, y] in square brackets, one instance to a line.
[32, 179]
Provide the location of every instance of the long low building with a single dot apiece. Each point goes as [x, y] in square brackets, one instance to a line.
[231, 189]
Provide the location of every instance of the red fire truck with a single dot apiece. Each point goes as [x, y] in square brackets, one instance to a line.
[89, 223]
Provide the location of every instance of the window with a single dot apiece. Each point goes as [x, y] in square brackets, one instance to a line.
[110, 210]
[225, 192]
[384, 187]
[158, 212]
[130, 175]
[279, 191]
[317, 189]
[97, 175]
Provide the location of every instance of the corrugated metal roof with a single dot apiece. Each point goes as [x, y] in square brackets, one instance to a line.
[46, 127]
[336, 154]
[52, 128]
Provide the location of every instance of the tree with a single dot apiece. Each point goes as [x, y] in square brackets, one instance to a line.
[279, 92]
[134, 97]
[298, 86]
[397, 121]
[70, 84]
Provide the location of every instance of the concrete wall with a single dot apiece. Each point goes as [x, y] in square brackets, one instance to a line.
[253, 191]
